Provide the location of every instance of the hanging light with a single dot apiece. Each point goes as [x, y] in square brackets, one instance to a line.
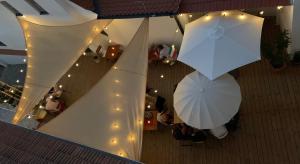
[84, 53]
[77, 64]
[177, 30]
[5, 101]
[112, 54]
[190, 16]
[115, 67]
[60, 86]
[149, 106]
[17, 81]
[155, 91]
[114, 141]
[224, 13]
[162, 76]
[24, 60]
[41, 106]
[69, 75]
[117, 81]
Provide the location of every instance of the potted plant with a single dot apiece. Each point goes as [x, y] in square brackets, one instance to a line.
[296, 59]
[277, 54]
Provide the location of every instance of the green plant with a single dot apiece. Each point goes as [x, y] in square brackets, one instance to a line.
[277, 54]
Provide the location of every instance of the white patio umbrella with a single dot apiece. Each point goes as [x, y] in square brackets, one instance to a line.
[205, 104]
[220, 42]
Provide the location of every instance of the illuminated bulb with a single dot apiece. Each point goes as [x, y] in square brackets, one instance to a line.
[12, 91]
[5, 101]
[77, 64]
[131, 138]
[115, 67]
[148, 121]
[155, 91]
[26, 87]
[24, 98]
[24, 16]
[261, 13]
[177, 30]
[148, 106]
[41, 107]
[207, 17]
[140, 122]
[117, 81]
[117, 109]
[112, 54]
[168, 61]
[28, 35]
[121, 154]
[29, 117]
[109, 41]
[173, 46]
[224, 13]
[90, 42]
[279, 7]
[17, 81]
[105, 28]
[26, 49]
[115, 125]
[161, 76]
[181, 15]
[112, 48]
[60, 86]
[117, 95]
[242, 16]
[69, 75]
[114, 141]
[24, 60]
[190, 15]
[51, 97]
[84, 53]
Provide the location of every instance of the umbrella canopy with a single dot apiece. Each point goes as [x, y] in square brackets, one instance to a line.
[220, 42]
[206, 104]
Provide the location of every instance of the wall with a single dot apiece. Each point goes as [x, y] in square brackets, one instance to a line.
[296, 27]
[285, 20]
[12, 73]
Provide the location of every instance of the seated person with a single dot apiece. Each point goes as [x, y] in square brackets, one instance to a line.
[182, 131]
[165, 117]
[164, 51]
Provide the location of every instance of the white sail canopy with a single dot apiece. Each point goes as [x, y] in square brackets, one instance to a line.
[110, 116]
[51, 51]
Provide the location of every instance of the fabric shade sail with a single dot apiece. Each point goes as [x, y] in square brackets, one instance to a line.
[205, 104]
[110, 116]
[51, 51]
[220, 42]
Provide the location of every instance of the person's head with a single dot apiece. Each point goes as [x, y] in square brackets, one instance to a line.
[160, 47]
[176, 131]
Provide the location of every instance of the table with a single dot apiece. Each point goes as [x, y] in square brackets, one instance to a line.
[151, 124]
[113, 52]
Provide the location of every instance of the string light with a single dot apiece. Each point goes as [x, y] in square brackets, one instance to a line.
[118, 109]
[148, 122]
[115, 67]
[112, 48]
[84, 53]
[121, 153]
[69, 75]
[24, 60]
[224, 13]
[114, 141]
[41, 106]
[162, 76]
[17, 81]
[155, 91]
[117, 95]
[149, 106]
[109, 41]
[279, 7]
[115, 125]
[261, 13]
[12, 91]
[131, 138]
[77, 64]
[140, 122]
[242, 16]
[190, 16]
[181, 15]
[117, 81]
[167, 61]
[5, 101]
[105, 28]
[207, 17]
[26, 49]
[177, 30]
[51, 97]
[60, 86]
[112, 54]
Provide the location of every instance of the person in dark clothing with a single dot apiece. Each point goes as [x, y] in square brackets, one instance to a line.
[182, 131]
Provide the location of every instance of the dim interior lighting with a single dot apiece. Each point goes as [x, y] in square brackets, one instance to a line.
[279, 7]
[177, 30]
[60, 86]
[224, 13]
[190, 15]
[77, 64]
[148, 106]
[84, 53]
[17, 81]
[69, 75]
[155, 91]
[261, 13]
[162, 76]
[5, 101]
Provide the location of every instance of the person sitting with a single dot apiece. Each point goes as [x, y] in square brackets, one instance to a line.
[165, 117]
[181, 131]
